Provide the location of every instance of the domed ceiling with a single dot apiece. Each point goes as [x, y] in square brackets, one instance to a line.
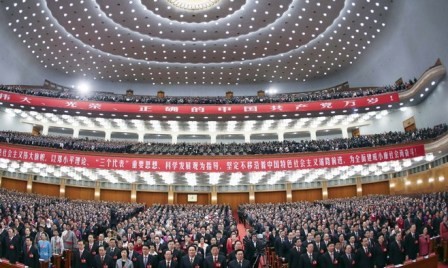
[210, 42]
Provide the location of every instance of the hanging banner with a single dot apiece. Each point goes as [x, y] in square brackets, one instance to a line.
[207, 163]
[21, 100]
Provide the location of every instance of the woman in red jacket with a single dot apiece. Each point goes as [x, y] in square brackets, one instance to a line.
[423, 243]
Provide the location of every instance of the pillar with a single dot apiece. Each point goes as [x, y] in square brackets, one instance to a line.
[133, 193]
[29, 184]
[62, 188]
[170, 195]
[288, 192]
[97, 195]
[1, 180]
[344, 133]
[324, 190]
[214, 196]
[358, 186]
[174, 138]
[141, 137]
[108, 135]
[251, 194]
[281, 136]
[247, 138]
[76, 133]
[313, 135]
[45, 129]
[212, 138]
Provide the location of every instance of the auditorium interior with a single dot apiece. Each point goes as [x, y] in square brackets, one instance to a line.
[301, 133]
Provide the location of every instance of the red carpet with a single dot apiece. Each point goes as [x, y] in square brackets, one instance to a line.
[241, 228]
[441, 265]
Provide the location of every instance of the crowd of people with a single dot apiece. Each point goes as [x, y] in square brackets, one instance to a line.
[371, 231]
[355, 232]
[327, 94]
[267, 147]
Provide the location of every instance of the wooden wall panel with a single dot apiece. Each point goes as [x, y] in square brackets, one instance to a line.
[434, 180]
[79, 193]
[233, 199]
[115, 195]
[342, 191]
[270, 197]
[150, 198]
[203, 198]
[46, 189]
[13, 184]
[381, 187]
[307, 195]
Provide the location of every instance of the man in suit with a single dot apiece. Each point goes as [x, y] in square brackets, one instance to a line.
[113, 251]
[215, 260]
[309, 258]
[102, 260]
[167, 262]
[364, 256]
[396, 250]
[239, 262]
[287, 245]
[100, 242]
[30, 255]
[347, 259]
[12, 246]
[294, 254]
[147, 260]
[92, 247]
[330, 258]
[411, 245]
[192, 259]
[251, 249]
[133, 255]
[81, 257]
[319, 245]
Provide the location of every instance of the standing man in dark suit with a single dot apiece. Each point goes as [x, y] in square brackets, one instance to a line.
[364, 256]
[102, 260]
[12, 246]
[81, 257]
[347, 259]
[147, 260]
[309, 258]
[192, 259]
[100, 242]
[396, 250]
[330, 258]
[215, 260]
[294, 254]
[411, 245]
[239, 262]
[133, 255]
[113, 251]
[167, 262]
[30, 255]
[251, 249]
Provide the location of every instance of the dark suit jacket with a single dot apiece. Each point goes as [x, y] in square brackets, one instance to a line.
[134, 258]
[234, 264]
[153, 260]
[294, 257]
[96, 244]
[326, 262]
[344, 262]
[321, 249]
[197, 262]
[84, 260]
[380, 254]
[396, 253]
[364, 259]
[162, 264]
[94, 249]
[208, 262]
[30, 258]
[411, 246]
[286, 247]
[115, 254]
[12, 249]
[107, 262]
[305, 261]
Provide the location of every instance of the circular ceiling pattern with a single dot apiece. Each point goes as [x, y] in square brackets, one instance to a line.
[214, 43]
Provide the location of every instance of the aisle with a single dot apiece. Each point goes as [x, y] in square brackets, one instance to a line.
[241, 227]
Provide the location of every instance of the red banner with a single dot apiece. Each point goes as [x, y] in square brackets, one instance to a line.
[208, 164]
[187, 109]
